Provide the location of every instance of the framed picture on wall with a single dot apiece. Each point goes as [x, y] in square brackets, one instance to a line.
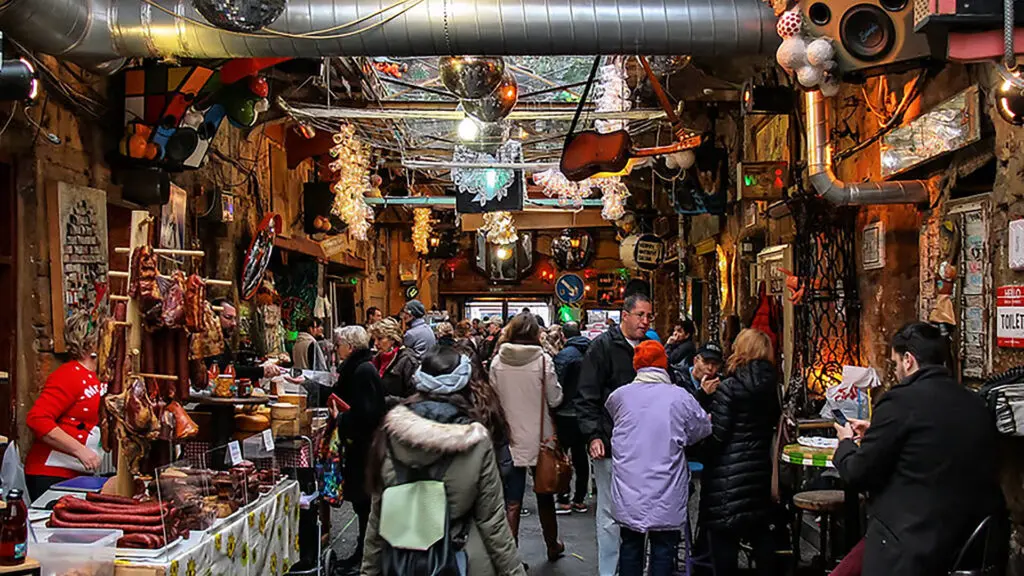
[873, 246]
[78, 252]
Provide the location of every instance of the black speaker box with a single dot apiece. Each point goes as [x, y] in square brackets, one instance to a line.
[144, 186]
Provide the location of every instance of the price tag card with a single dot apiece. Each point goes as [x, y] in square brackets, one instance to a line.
[268, 440]
[234, 453]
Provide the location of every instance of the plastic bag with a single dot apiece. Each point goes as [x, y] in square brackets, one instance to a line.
[851, 395]
[12, 473]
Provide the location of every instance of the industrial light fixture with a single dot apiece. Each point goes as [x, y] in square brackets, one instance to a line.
[763, 99]
[1010, 96]
[468, 129]
[18, 81]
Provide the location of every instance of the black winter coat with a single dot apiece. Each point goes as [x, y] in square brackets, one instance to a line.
[607, 365]
[360, 386]
[680, 352]
[397, 376]
[568, 362]
[929, 464]
[736, 488]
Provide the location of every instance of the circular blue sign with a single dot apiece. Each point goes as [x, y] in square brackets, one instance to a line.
[569, 288]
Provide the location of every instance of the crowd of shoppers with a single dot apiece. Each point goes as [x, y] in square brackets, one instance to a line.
[473, 401]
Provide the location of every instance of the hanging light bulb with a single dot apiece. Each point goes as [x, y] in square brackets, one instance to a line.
[468, 129]
[503, 253]
[421, 230]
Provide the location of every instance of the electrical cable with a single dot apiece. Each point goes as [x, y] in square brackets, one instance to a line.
[893, 122]
[14, 110]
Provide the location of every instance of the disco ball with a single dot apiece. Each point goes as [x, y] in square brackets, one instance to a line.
[470, 77]
[497, 104]
[240, 15]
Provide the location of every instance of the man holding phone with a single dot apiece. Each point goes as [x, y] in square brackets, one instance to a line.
[927, 460]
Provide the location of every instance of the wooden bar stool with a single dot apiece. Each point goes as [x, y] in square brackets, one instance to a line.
[823, 502]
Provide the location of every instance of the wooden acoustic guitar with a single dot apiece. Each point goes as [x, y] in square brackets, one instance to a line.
[590, 152]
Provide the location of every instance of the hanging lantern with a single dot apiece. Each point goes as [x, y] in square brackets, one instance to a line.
[421, 230]
[240, 15]
[497, 104]
[470, 77]
[352, 165]
[573, 250]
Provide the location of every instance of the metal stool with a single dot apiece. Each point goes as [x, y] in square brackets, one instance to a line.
[825, 503]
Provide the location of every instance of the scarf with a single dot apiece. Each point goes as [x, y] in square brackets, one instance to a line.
[384, 359]
[444, 383]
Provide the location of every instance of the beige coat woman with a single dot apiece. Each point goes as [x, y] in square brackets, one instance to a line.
[517, 374]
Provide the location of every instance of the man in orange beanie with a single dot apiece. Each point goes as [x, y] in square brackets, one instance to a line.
[653, 421]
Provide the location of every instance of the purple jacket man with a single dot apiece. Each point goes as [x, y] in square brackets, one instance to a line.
[654, 421]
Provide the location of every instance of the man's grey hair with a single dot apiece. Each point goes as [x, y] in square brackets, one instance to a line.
[633, 299]
[354, 336]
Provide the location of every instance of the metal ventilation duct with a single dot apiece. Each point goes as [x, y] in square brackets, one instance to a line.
[98, 31]
[819, 168]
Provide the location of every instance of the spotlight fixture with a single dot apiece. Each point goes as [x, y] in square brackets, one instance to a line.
[1010, 96]
[468, 129]
[762, 99]
[18, 81]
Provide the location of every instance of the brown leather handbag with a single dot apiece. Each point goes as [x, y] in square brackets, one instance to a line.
[554, 469]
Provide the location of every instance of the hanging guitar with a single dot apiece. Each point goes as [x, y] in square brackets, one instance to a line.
[590, 152]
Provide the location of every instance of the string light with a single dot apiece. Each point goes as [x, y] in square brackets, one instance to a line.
[500, 228]
[351, 164]
[421, 230]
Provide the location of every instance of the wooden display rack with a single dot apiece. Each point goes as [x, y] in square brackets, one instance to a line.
[123, 484]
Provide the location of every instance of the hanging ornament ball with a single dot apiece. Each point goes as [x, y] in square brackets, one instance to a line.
[240, 15]
[829, 88]
[789, 24]
[497, 104]
[670, 161]
[685, 159]
[258, 86]
[470, 77]
[820, 52]
[809, 76]
[792, 53]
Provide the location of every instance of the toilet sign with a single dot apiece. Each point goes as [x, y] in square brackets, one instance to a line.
[1010, 316]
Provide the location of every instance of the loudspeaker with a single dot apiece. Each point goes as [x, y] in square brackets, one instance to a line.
[144, 186]
[870, 37]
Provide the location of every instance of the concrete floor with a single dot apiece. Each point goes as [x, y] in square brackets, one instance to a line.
[576, 530]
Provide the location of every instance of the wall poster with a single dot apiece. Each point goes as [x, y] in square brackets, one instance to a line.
[78, 251]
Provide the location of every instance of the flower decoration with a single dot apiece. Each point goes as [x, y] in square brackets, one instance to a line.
[556, 185]
[613, 197]
[421, 229]
[500, 228]
[352, 165]
[612, 95]
[486, 184]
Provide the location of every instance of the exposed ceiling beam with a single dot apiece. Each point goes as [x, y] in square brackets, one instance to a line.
[392, 110]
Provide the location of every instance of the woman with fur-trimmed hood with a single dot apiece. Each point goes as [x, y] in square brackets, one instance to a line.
[433, 424]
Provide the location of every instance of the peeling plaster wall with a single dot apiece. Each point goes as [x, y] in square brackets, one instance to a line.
[81, 159]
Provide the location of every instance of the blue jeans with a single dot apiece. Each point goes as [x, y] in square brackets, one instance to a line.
[663, 552]
[607, 530]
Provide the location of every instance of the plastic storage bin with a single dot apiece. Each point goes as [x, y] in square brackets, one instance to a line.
[73, 551]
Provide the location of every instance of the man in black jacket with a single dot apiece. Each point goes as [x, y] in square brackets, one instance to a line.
[567, 367]
[607, 365]
[927, 459]
[680, 346]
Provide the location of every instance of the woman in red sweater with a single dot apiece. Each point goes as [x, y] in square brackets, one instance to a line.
[65, 417]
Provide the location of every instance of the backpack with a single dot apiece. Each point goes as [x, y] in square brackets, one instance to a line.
[415, 524]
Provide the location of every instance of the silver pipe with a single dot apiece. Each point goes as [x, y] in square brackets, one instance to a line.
[823, 178]
[101, 30]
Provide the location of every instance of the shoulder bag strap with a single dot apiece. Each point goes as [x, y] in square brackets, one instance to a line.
[543, 392]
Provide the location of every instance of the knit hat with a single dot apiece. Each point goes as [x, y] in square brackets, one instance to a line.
[649, 354]
[415, 308]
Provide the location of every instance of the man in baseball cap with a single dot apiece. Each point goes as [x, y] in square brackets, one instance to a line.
[418, 335]
[701, 375]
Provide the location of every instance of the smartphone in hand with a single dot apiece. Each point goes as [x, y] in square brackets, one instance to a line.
[840, 417]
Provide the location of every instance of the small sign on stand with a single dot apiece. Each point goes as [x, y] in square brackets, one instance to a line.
[1010, 316]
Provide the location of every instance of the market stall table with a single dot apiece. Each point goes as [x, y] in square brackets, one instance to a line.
[820, 457]
[261, 539]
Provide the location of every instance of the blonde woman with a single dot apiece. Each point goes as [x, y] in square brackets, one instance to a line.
[65, 416]
[394, 362]
[736, 489]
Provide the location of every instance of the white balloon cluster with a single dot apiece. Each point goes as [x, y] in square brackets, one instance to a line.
[813, 59]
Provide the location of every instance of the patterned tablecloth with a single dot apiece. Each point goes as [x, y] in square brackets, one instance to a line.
[261, 541]
[807, 456]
